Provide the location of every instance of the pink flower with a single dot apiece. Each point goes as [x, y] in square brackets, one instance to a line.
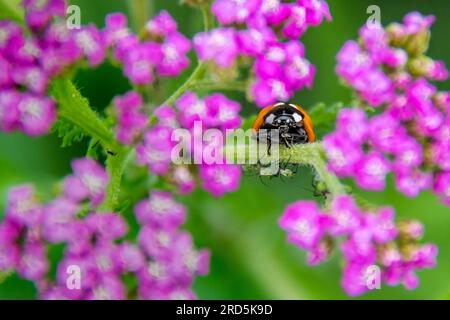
[371, 171]
[359, 248]
[90, 42]
[9, 113]
[57, 220]
[269, 91]
[219, 179]
[116, 28]
[107, 226]
[33, 264]
[411, 183]
[386, 133]
[162, 25]
[184, 179]
[316, 11]
[374, 87]
[129, 257]
[37, 114]
[253, 41]
[442, 186]
[192, 109]
[155, 150]
[345, 216]
[88, 181]
[131, 121]
[295, 24]
[160, 210]
[39, 13]
[342, 155]
[223, 112]
[33, 78]
[234, 11]
[218, 45]
[140, 62]
[304, 223]
[354, 280]
[174, 59]
[353, 124]
[22, 206]
[382, 225]
[415, 22]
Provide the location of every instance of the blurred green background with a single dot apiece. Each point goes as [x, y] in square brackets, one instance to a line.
[251, 259]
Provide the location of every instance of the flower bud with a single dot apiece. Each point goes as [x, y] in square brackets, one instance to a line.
[420, 66]
[417, 44]
[411, 229]
[442, 101]
[396, 34]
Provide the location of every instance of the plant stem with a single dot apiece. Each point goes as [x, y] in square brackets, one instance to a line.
[196, 74]
[304, 154]
[115, 165]
[199, 71]
[208, 85]
[139, 11]
[73, 107]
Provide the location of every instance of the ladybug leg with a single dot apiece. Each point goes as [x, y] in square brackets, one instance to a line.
[286, 142]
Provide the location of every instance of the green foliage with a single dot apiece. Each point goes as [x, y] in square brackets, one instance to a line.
[67, 132]
[248, 122]
[324, 117]
[4, 275]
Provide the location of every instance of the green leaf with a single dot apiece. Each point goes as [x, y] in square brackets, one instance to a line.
[75, 109]
[11, 9]
[248, 123]
[324, 117]
[68, 132]
[5, 274]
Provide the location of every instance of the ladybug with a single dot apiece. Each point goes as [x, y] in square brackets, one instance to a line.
[294, 124]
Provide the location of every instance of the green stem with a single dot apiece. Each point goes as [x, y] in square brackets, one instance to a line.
[196, 75]
[73, 107]
[208, 85]
[140, 12]
[199, 71]
[304, 154]
[115, 165]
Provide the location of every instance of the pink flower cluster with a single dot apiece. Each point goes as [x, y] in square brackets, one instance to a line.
[29, 59]
[214, 111]
[163, 260]
[366, 239]
[161, 53]
[409, 135]
[131, 121]
[172, 260]
[279, 64]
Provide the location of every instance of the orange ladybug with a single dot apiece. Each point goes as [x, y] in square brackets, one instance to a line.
[294, 124]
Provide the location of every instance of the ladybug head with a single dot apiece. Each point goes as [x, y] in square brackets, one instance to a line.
[284, 117]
